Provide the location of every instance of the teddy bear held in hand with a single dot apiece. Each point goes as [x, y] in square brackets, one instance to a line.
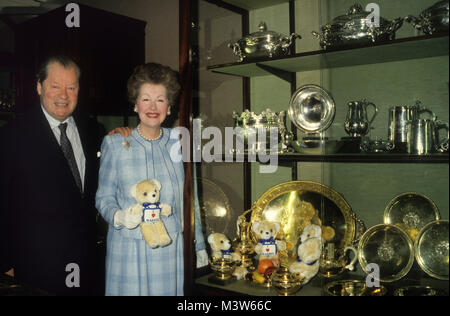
[147, 193]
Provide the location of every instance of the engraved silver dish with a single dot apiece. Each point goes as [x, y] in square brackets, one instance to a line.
[417, 290]
[386, 252]
[411, 211]
[432, 249]
[312, 109]
[432, 20]
[263, 43]
[353, 288]
[355, 28]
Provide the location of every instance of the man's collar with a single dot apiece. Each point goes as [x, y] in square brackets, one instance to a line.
[54, 122]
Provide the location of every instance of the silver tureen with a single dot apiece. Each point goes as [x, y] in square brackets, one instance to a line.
[355, 28]
[433, 19]
[263, 44]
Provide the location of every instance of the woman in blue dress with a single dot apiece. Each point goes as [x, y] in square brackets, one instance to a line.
[133, 267]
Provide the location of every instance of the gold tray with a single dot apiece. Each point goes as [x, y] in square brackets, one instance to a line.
[432, 249]
[411, 211]
[390, 248]
[284, 202]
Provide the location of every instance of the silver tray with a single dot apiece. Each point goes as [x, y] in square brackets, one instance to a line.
[312, 109]
[432, 249]
[411, 211]
[390, 248]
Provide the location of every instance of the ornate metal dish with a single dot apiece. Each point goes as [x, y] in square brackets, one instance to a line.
[390, 248]
[417, 291]
[353, 288]
[215, 208]
[411, 211]
[354, 28]
[286, 202]
[432, 249]
[252, 126]
[312, 109]
[435, 19]
[263, 43]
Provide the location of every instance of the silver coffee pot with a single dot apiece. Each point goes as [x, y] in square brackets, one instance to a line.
[357, 123]
[423, 136]
[399, 116]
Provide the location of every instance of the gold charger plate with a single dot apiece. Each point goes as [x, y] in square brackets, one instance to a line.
[285, 202]
[390, 248]
[432, 249]
[411, 211]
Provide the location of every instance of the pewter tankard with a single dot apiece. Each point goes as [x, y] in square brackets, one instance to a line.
[423, 136]
[357, 124]
[399, 116]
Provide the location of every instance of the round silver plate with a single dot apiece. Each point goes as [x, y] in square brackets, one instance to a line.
[386, 252]
[411, 211]
[312, 109]
[432, 249]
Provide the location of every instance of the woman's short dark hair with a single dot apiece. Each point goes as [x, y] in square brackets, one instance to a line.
[63, 60]
[156, 74]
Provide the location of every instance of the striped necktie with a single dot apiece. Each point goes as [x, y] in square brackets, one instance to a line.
[68, 153]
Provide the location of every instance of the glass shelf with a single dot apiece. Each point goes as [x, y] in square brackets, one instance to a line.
[396, 50]
[360, 157]
[254, 4]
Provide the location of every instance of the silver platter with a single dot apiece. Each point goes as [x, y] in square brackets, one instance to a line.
[312, 109]
[388, 249]
[411, 211]
[432, 249]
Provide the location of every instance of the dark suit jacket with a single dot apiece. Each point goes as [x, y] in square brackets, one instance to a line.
[50, 224]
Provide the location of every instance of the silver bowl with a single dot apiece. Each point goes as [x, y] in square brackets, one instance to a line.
[316, 146]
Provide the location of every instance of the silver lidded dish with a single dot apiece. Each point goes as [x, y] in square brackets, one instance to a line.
[263, 43]
[250, 127]
[355, 28]
[432, 20]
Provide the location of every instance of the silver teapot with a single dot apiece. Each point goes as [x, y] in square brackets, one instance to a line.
[354, 28]
[263, 44]
[433, 19]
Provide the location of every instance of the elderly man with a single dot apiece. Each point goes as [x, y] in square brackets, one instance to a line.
[49, 170]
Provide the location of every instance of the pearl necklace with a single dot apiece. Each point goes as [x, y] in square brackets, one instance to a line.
[147, 138]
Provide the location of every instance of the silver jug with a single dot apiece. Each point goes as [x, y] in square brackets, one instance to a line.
[423, 136]
[399, 116]
[357, 124]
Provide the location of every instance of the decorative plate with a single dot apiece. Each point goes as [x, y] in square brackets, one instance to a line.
[286, 202]
[411, 211]
[432, 249]
[215, 209]
[312, 109]
[388, 250]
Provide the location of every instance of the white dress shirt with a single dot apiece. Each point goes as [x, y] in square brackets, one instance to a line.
[74, 138]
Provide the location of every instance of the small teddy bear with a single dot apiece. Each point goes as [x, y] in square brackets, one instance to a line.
[268, 246]
[221, 247]
[147, 193]
[309, 251]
